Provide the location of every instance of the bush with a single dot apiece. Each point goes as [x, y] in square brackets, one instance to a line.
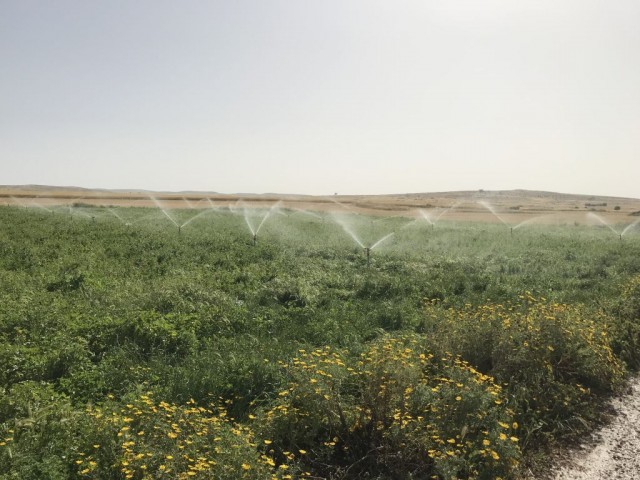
[142, 439]
[153, 439]
[151, 333]
[395, 411]
[553, 358]
[626, 325]
[36, 431]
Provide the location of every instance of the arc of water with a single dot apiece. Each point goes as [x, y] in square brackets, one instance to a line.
[379, 242]
[273, 208]
[188, 203]
[253, 232]
[247, 215]
[528, 221]
[408, 224]
[347, 228]
[492, 210]
[235, 206]
[306, 212]
[426, 216]
[114, 213]
[630, 226]
[36, 204]
[159, 205]
[442, 212]
[603, 222]
[197, 215]
[166, 214]
[346, 207]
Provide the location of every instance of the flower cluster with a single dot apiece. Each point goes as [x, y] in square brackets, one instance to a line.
[398, 406]
[552, 357]
[151, 439]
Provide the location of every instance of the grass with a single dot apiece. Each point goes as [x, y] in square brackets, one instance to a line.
[302, 360]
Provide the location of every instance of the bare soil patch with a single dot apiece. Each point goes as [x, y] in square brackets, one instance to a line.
[613, 452]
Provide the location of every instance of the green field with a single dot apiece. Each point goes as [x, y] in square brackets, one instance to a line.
[132, 350]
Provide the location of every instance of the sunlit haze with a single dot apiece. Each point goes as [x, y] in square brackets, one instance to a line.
[356, 97]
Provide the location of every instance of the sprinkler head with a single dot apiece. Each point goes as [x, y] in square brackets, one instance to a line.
[367, 251]
[255, 238]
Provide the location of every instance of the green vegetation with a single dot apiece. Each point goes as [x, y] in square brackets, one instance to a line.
[135, 351]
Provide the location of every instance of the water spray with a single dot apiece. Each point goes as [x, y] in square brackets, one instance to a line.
[254, 231]
[606, 224]
[166, 214]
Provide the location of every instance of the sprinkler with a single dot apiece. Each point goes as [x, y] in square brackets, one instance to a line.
[179, 229]
[367, 251]
[511, 230]
[255, 239]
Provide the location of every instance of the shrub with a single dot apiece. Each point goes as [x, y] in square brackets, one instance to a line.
[36, 430]
[395, 411]
[148, 438]
[219, 367]
[626, 325]
[553, 358]
[151, 333]
[142, 439]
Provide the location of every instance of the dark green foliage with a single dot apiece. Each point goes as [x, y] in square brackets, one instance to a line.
[90, 309]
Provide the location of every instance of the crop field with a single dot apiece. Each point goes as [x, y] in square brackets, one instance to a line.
[142, 343]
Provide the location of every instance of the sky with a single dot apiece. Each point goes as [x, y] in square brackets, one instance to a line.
[322, 97]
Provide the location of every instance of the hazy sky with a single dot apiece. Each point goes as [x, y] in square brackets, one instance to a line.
[323, 96]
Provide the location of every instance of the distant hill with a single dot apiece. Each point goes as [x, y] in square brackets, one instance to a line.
[479, 205]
